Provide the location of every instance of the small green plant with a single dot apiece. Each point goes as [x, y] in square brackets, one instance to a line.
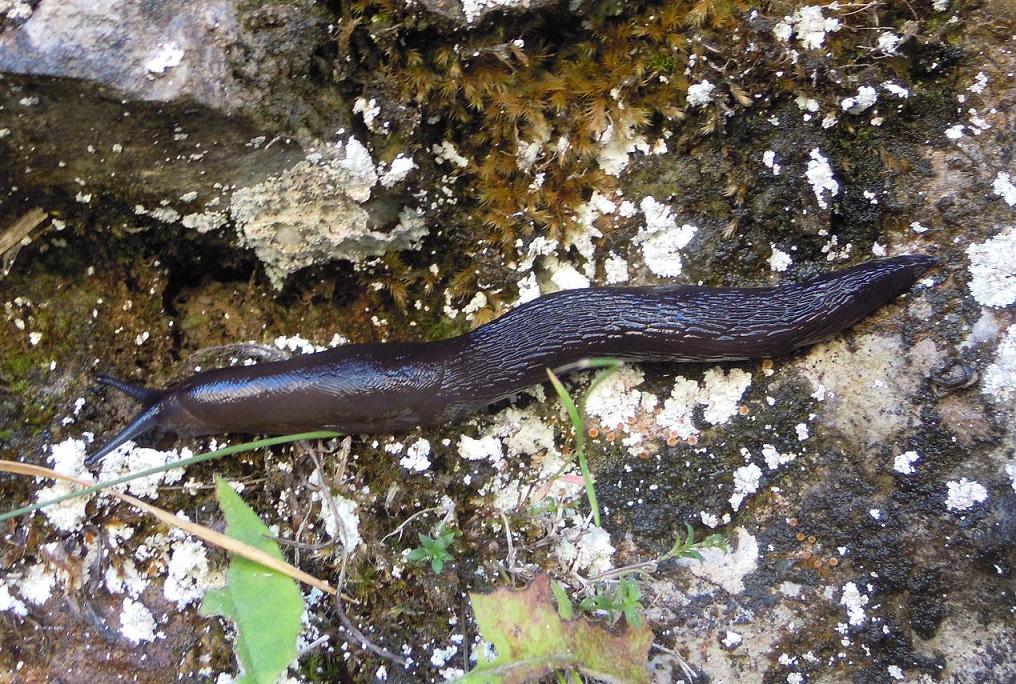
[689, 548]
[624, 599]
[577, 416]
[564, 604]
[434, 549]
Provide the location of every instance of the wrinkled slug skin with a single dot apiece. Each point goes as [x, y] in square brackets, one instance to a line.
[387, 387]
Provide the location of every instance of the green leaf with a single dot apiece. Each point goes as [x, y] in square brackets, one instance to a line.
[564, 604]
[579, 424]
[533, 641]
[265, 605]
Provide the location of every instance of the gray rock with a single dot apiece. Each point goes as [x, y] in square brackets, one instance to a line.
[469, 12]
[201, 113]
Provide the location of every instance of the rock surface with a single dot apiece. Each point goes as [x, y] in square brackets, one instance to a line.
[866, 485]
[161, 112]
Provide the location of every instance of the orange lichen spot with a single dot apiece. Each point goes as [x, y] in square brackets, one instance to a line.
[800, 536]
[817, 563]
[812, 539]
[644, 455]
[594, 432]
[671, 441]
[833, 562]
[743, 409]
[767, 364]
[693, 440]
[611, 436]
[792, 522]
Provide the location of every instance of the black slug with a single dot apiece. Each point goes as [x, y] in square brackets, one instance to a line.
[358, 388]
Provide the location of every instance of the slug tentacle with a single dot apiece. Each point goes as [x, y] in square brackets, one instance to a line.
[358, 388]
[142, 395]
[142, 423]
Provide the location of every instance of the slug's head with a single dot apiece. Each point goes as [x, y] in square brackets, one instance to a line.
[900, 273]
[148, 418]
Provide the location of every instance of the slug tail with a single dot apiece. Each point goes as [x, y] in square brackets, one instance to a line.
[144, 422]
[142, 395]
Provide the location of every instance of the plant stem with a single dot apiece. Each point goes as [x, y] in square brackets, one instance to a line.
[207, 456]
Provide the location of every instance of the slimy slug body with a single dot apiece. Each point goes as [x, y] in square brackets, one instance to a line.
[388, 387]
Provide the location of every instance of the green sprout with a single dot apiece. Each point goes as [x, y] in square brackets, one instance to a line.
[689, 548]
[577, 415]
[434, 549]
[624, 599]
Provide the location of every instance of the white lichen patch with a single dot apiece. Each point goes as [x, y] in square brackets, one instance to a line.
[746, 482]
[67, 457]
[615, 269]
[904, 463]
[124, 578]
[727, 570]
[369, 110]
[774, 458]
[584, 232]
[616, 146]
[769, 159]
[168, 55]
[487, 448]
[475, 9]
[10, 603]
[678, 412]
[585, 548]
[564, 275]
[731, 639]
[446, 152]
[661, 239]
[864, 99]
[188, 575]
[1004, 188]
[616, 401]
[398, 170]
[888, 42]
[993, 269]
[416, 456]
[963, 494]
[820, 176]
[721, 393]
[896, 90]
[311, 213]
[700, 94]
[338, 514]
[524, 435]
[999, 380]
[296, 344]
[779, 260]
[205, 221]
[16, 10]
[136, 622]
[854, 601]
[36, 586]
[130, 458]
[164, 214]
[809, 24]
